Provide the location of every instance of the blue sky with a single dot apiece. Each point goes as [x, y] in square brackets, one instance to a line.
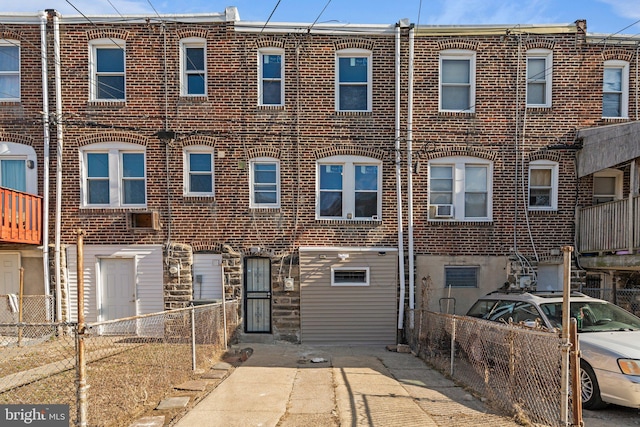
[603, 16]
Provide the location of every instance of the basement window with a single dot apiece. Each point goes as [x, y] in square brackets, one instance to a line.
[349, 276]
[461, 277]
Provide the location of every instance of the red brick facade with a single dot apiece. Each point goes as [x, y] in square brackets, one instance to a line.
[158, 120]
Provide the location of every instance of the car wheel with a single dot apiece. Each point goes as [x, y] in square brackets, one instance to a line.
[590, 390]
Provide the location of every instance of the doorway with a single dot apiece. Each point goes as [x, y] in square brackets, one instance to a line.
[257, 295]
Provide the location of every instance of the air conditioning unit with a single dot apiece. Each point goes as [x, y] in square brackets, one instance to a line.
[443, 211]
[145, 220]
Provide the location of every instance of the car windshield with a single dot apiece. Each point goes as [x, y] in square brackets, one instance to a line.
[593, 316]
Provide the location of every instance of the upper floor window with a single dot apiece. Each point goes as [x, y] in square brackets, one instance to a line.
[349, 187]
[615, 89]
[460, 189]
[539, 72]
[543, 185]
[198, 171]
[193, 79]
[9, 70]
[457, 80]
[271, 77]
[107, 70]
[353, 80]
[607, 186]
[18, 167]
[264, 176]
[113, 175]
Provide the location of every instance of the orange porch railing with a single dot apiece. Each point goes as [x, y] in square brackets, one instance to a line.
[21, 217]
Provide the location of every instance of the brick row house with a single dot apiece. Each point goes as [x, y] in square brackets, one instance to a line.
[327, 175]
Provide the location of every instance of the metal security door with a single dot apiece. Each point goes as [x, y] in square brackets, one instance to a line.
[257, 295]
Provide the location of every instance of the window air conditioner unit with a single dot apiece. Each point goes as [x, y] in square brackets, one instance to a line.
[145, 220]
[443, 211]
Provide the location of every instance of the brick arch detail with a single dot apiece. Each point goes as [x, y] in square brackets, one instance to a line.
[458, 44]
[132, 138]
[617, 54]
[544, 155]
[10, 34]
[264, 152]
[349, 151]
[354, 44]
[17, 138]
[540, 43]
[199, 140]
[207, 247]
[183, 33]
[107, 33]
[479, 152]
[269, 42]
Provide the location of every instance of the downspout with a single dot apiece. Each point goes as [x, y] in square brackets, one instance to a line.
[410, 172]
[45, 160]
[59, 147]
[399, 186]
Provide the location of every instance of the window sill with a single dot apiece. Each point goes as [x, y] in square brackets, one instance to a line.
[118, 103]
[271, 107]
[456, 113]
[196, 99]
[546, 211]
[258, 209]
[353, 113]
[349, 221]
[459, 222]
[10, 102]
[113, 210]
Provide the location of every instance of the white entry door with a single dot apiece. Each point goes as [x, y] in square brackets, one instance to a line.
[117, 293]
[9, 274]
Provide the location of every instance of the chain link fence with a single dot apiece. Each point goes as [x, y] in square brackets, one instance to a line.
[516, 369]
[131, 364]
[629, 299]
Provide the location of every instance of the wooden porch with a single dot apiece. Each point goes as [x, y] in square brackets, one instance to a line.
[612, 227]
[21, 220]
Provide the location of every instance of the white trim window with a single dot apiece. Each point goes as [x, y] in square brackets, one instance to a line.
[198, 171]
[113, 176]
[107, 70]
[539, 77]
[543, 185]
[18, 169]
[349, 187]
[350, 276]
[457, 88]
[460, 189]
[264, 180]
[354, 77]
[615, 89]
[9, 70]
[193, 66]
[271, 77]
[607, 186]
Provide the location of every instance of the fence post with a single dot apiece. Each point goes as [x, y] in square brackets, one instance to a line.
[20, 306]
[453, 344]
[576, 386]
[81, 360]
[192, 312]
[564, 384]
[224, 322]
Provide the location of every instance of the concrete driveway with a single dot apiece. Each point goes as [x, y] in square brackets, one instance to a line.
[297, 385]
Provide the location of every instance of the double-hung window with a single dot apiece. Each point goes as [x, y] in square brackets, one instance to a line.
[539, 73]
[114, 175]
[198, 171]
[543, 185]
[349, 187]
[265, 183]
[460, 189]
[9, 70]
[107, 70]
[353, 80]
[193, 60]
[607, 186]
[271, 77]
[615, 89]
[457, 81]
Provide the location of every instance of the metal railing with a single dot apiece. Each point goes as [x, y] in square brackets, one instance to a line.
[516, 369]
[130, 364]
[629, 299]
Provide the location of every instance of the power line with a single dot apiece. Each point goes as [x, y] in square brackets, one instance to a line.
[270, 15]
